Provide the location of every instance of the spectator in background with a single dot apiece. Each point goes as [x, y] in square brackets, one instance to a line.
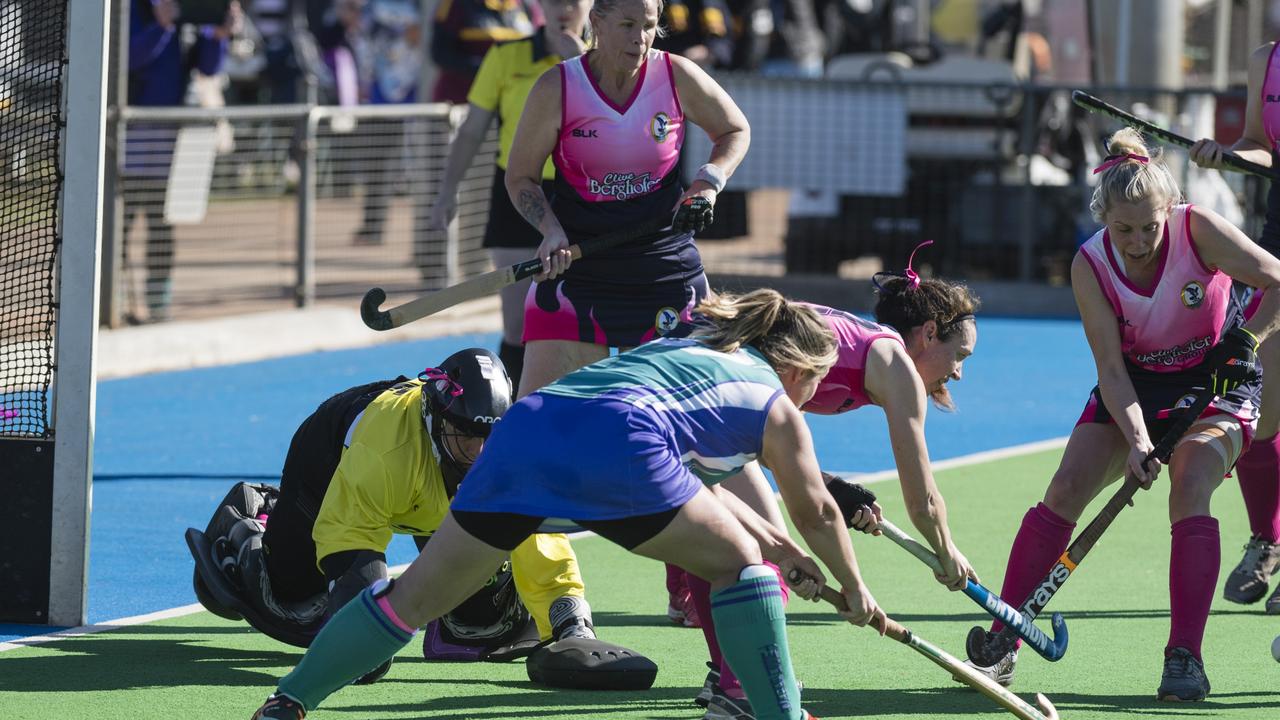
[274, 20]
[161, 59]
[340, 37]
[390, 69]
[500, 89]
[698, 30]
[463, 32]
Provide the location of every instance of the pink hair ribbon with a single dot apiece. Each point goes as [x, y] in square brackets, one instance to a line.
[443, 382]
[1111, 161]
[913, 278]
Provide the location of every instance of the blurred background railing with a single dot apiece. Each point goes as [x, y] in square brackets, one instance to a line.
[272, 206]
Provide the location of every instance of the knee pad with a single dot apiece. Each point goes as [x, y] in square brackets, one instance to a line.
[367, 567]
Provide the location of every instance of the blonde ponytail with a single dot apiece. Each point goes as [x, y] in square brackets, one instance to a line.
[788, 334]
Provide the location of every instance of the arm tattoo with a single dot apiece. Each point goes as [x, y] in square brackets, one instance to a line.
[533, 206]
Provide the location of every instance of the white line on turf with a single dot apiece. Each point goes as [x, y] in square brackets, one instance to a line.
[865, 478]
[122, 622]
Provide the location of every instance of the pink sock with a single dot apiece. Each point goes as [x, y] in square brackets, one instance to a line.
[1258, 471]
[1043, 537]
[1194, 560]
[700, 592]
[675, 579]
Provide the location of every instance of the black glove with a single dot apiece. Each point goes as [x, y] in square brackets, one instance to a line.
[1233, 361]
[850, 496]
[694, 215]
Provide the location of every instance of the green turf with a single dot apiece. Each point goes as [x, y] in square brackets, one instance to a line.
[1116, 605]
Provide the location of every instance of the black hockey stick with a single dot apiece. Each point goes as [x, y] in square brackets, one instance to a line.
[986, 651]
[490, 282]
[1231, 160]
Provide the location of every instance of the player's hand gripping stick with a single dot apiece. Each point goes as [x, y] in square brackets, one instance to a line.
[962, 672]
[488, 283]
[989, 601]
[986, 651]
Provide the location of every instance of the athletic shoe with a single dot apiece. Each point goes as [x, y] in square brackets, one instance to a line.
[710, 686]
[1183, 679]
[280, 707]
[722, 707]
[1248, 582]
[1001, 672]
[1273, 602]
[680, 609]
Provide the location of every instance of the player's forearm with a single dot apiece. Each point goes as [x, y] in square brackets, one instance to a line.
[1122, 402]
[1266, 321]
[529, 200]
[828, 538]
[729, 150]
[1253, 151]
[461, 152]
[929, 516]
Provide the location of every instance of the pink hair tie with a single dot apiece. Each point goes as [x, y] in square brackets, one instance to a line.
[1111, 161]
[444, 383]
[913, 278]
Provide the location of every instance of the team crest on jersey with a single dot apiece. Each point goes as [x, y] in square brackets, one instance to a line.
[666, 320]
[1184, 402]
[1193, 294]
[659, 127]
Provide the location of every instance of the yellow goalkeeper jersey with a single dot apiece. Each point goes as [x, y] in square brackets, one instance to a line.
[389, 481]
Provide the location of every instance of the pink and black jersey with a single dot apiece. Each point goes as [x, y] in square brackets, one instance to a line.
[844, 386]
[1271, 125]
[616, 164]
[1171, 324]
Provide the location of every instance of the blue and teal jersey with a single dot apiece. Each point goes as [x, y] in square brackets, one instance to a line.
[714, 403]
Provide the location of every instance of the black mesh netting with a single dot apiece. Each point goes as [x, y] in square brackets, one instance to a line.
[32, 63]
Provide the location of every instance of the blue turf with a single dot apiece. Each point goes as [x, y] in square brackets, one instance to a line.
[170, 445]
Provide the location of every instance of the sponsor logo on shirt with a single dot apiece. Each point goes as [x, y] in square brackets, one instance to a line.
[1193, 294]
[659, 126]
[1174, 355]
[623, 186]
[580, 133]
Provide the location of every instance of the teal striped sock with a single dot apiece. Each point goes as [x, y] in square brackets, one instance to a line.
[359, 638]
[752, 629]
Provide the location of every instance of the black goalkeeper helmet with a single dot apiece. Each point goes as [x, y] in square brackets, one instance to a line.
[463, 398]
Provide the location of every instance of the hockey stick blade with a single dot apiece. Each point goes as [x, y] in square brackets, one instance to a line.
[1231, 160]
[965, 674]
[1051, 650]
[488, 283]
[986, 650]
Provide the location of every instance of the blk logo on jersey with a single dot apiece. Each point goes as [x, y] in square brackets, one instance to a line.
[659, 127]
[580, 133]
[1193, 294]
[666, 320]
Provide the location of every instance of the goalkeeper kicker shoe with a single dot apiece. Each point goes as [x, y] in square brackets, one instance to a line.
[1247, 583]
[1183, 679]
[1001, 672]
[280, 707]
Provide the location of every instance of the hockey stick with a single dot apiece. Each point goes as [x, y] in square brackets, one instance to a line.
[490, 282]
[987, 652]
[962, 672]
[1051, 650]
[1231, 160]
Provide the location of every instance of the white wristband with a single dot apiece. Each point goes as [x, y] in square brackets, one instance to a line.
[711, 175]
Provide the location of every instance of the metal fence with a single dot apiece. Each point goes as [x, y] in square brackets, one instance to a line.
[255, 207]
[233, 209]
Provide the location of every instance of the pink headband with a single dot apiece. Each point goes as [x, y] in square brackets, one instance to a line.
[1111, 161]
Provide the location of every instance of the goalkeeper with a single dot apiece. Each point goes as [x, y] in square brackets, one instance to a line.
[378, 459]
